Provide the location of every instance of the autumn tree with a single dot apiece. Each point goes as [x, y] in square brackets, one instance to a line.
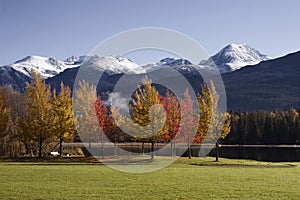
[213, 124]
[84, 110]
[13, 143]
[64, 122]
[104, 120]
[189, 121]
[205, 112]
[40, 111]
[147, 114]
[114, 131]
[172, 108]
[3, 114]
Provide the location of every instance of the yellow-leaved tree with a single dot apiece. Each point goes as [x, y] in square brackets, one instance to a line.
[84, 99]
[41, 118]
[62, 107]
[12, 137]
[148, 114]
[3, 115]
[214, 124]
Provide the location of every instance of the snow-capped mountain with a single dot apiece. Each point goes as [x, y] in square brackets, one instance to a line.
[50, 66]
[233, 57]
[46, 66]
[170, 62]
[167, 62]
[114, 65]
[178, 64]
[75, 60]
[230, 58]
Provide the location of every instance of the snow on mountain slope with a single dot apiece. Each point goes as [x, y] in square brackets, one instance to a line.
[114, 65]
[75, 60]
[178, 64]
[49, 66]
[230, 58]
[173, 62]
[233, 57]
[46, 66]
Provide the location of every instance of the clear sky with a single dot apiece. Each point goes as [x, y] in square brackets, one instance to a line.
[62, 28]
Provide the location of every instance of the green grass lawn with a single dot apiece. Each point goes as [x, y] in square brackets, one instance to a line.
[198, 178]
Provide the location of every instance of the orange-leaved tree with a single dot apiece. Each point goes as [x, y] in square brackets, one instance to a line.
[172, 108]
[189, 121]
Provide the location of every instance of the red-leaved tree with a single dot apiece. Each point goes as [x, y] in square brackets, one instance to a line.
[172, 109]
[189, 121]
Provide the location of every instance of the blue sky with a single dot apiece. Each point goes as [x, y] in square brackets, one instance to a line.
[62, 28]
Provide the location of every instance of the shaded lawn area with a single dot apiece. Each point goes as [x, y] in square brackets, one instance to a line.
[199, 178]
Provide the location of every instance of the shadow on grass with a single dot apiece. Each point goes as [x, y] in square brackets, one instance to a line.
[130, 162]
[244, 165]
[34, 161]
[50, 161]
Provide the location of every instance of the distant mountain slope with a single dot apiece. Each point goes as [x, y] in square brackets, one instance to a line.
[233, 57]
[13, 78]
[266, 86]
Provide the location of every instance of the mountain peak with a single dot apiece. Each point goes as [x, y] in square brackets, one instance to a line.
[75, 60]
[29, 59]
[173, 62]
[235, 56]
[114, 64]
[46, 66]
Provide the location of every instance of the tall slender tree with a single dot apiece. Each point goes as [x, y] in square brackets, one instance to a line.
[189, 121]
[40, 111]
[13, 146]
[148, 114]
[85, 115]
[214, 124]
[3, 114]
[62, 107]
[104, 120]
[172, 108]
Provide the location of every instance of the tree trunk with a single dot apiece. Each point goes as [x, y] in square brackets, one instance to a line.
[143, 148]
[102, 149]
[152, 150]
[172, 152]
[217, 151]
[102, 146]
[115, 146]
[60, 145]
[40, 146]
[189, 151]
[27, 149]
[88, 149]
[174, 149]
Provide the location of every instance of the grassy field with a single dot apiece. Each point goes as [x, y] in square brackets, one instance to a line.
[199, 178]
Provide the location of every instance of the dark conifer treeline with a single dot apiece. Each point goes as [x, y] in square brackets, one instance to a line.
[277, 127]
